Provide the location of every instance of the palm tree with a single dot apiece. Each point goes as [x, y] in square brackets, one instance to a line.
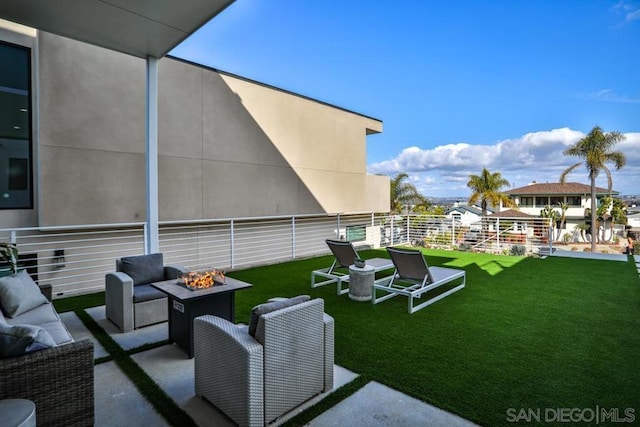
[552, 216]
[486, 189]
[563, 216]
[611, 211]
[595, 150]
[405, 193]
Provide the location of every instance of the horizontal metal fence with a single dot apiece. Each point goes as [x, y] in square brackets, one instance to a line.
[509, 235]
[75, 259]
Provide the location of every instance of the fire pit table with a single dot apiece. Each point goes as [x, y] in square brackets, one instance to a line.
[186, 304]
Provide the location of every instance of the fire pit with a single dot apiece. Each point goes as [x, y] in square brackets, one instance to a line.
[195, 280]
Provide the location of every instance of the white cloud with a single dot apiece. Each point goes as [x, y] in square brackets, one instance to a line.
[512, 153]
[632, 16]
[609, 95]
[445, 169]
[630, 9]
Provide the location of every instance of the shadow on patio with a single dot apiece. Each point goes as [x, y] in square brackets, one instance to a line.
[524, 333]
[119, 402]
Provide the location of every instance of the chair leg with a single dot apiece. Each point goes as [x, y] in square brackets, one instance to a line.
[413, 309]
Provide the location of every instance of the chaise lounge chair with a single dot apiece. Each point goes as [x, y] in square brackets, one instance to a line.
[413, 277]
[345, 255]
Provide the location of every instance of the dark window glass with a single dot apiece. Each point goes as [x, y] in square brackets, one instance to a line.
[16, 188]
[573, 200]
[542, 201]
[526, 201]
[18, 171]
[556, 200]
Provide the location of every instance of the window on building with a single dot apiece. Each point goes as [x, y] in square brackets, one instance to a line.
[556, 200]
[542, 201]
[573, 200]
[356, 233]
[16, 186]
[526, 201]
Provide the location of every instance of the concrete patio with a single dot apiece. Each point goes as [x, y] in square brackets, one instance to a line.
[119, 403]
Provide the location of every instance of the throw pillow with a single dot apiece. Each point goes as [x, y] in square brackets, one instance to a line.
[19, 293]
[17, 340]
[144, 269]
[268, 307]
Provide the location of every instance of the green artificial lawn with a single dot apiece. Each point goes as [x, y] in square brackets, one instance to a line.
[525, 333]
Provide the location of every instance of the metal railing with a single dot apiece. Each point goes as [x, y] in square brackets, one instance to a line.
[75, 259]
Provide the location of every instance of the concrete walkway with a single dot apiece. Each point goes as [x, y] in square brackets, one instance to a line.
[118, 401]
[590, 255]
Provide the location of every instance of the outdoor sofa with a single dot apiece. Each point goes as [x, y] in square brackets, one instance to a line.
[50, 369]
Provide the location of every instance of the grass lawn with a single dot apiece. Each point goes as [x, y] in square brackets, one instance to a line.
[525, 333]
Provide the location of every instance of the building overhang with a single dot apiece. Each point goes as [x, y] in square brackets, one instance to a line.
[140, 28]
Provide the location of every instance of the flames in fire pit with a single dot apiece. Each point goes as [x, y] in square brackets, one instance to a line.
[202, 280]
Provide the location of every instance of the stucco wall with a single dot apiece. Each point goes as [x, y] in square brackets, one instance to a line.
[227, 147]
[325, 146]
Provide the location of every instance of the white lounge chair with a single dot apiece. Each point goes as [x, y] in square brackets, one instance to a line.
[413, 278]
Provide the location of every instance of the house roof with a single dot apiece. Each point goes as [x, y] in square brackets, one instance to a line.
[466, 208]
[511, 213]
[557, 188]
[137, 27]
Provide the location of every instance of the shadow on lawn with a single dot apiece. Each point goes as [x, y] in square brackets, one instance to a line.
[524, 333]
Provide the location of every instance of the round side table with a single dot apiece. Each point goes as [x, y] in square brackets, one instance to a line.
[17, 413]
[361, 282]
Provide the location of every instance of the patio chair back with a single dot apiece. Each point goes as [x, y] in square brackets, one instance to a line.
[410, 264]
[344, 252]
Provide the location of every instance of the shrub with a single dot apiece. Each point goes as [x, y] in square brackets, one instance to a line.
[518, 250]
[464, 247]
[420, 243]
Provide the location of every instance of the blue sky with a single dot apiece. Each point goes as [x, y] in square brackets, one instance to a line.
[502, 84]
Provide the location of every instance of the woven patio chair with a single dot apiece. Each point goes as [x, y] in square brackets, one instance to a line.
[256, 379]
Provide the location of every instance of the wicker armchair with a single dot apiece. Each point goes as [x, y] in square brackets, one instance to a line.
[256, 380]
[130, 300]
[58, 380]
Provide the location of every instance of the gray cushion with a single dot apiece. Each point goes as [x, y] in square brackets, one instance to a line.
[58, 332]
[143, 293]
[44, 313]
[268, 307]
[17, 340]
[19, 293]
[143, 269]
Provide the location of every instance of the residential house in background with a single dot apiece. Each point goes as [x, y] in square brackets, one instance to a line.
[533, 198]
[465, 215]
[633, 220]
